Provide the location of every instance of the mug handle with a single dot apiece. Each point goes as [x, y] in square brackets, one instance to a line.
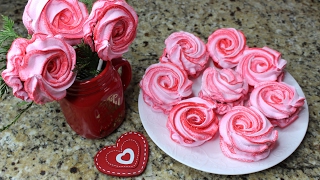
[126, 73]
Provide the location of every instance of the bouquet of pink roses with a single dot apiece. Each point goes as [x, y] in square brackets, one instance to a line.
[63, 33]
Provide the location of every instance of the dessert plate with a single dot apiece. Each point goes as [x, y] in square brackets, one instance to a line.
[208, 157]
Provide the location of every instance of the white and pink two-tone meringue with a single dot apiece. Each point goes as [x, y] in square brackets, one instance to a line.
[246, 134]
[225, 45]
[278, 101]
[40, 69]
[260, 64]
[164, 85]
[226, 87]
[192, 122]
[186, 51]
[64, 18]
[110, 28]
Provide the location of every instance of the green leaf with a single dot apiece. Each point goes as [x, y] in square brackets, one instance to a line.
[17, 117]
[3, 67]
[87, 62]
[4, 88]
[7, 34]
[5, 48]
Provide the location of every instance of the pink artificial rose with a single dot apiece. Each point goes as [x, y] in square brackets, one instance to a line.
[225, 86]
[278, 101]
[246, 134]
[56, 17]
[260, 65]
[110, 28]
[225, 45]
[187, 51]
[40, 69]
[164, 85]
[192, 122]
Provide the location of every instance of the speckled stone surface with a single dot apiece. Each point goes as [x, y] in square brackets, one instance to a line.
[42, 146]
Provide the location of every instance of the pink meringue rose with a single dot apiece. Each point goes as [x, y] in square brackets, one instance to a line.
[40, 69]
[225, 86]
[260, 65]
[192, 122]
[187, 51]
[63, 18]
[110, 28]
[225, 45]
[164, 85]
[246, 134]
[10, 75]
[277, 101]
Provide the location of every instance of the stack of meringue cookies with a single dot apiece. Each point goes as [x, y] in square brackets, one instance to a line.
[242, 95]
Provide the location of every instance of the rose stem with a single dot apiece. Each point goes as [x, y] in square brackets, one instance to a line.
[99, 64]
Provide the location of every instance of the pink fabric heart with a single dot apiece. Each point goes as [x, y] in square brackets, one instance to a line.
[127, 158]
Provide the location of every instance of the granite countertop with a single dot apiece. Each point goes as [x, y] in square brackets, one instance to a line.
[41, 145]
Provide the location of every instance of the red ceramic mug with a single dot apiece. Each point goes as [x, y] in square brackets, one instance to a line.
[95, 108]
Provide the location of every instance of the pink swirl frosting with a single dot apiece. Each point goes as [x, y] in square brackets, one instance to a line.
[225, 45]
[186, 50]
[40, 69]
[246, 134]
[110, 28]
[192, 122]
[224, 86]
[277, 101]
[56, 17]
[260, 65]
[10, 75]
[164, 85]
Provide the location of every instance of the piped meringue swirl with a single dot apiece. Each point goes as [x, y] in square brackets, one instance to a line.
[62, 18]
[110, 28]
[164, 85]
[278, 101]
[225, 86]
[186, 50]
[246, 134]
[225, 45]
[260, 65]
[192, 122]
[40, 69]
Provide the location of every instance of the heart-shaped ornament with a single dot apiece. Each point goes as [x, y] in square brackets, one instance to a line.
[127, 158]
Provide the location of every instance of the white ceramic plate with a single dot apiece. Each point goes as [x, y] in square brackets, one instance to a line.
[208, 157]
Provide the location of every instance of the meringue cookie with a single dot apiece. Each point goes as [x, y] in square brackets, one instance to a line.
[110, 28]
[187, 51]
[164, 85]
[192, 122]
[40, 69]
[246, 134]
[225, 45]
[260, 64]
[62, 18]
[278, 101]
[226, 87]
